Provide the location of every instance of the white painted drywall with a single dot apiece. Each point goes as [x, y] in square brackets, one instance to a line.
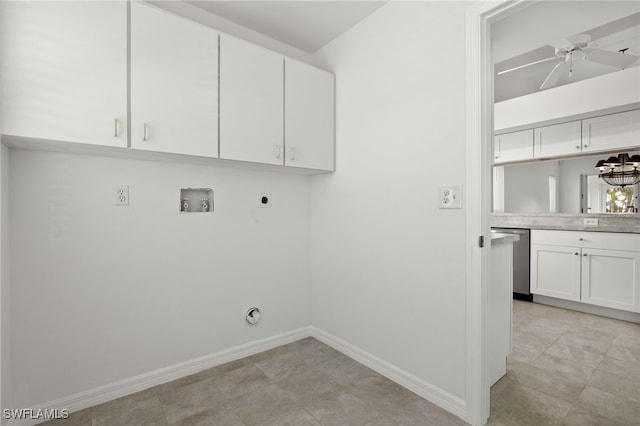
[102, 293]
[388, 272]
[5, 287]
[526, 187]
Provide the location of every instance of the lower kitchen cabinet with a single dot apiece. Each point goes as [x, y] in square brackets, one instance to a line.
[555, 271]
[597, 268]
[610, 278]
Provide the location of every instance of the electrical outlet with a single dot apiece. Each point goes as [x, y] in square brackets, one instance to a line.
[264, 200]
[121, 195]
[450, 197]
[590, 221]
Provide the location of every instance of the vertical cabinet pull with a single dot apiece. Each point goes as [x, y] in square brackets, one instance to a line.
[145, 135]
[115, 127]
[278, 151]
[293, 153]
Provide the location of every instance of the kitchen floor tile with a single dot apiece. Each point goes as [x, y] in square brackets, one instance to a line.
[566, 368]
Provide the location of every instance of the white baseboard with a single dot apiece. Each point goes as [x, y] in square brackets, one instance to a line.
[418, 386]
[144, 381]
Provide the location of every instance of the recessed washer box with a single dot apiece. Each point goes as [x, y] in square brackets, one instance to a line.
[196, 200]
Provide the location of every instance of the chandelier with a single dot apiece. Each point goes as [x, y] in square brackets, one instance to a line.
[620, 171]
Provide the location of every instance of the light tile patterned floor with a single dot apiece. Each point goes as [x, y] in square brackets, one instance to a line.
[567, 368]
[305, 383]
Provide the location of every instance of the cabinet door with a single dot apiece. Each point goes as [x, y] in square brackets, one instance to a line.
[514, 146]
[308, 116]
[64, 71]
[611, 278]
[560, 139]
[555, 271]
[174, 83]
[609, 132]
[251, 102]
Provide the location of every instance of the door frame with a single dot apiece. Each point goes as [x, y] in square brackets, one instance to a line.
[479, 147]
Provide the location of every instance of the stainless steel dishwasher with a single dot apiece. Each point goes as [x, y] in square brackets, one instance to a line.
[521, 260]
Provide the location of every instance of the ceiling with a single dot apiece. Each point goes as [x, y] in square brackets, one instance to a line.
[622, 33]
[306, 25]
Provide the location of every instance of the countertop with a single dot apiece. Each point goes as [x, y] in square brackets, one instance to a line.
[500, 238]
[627, 223]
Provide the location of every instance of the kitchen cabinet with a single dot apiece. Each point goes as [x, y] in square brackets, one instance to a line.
[555, 271]
[557, 140]
[251, 102]
[174, 83]
[64, 71]
[613, 131]
[308, 116]
[515, 146]
[590, 267]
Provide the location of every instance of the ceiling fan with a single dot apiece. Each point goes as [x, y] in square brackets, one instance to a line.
[577, 47]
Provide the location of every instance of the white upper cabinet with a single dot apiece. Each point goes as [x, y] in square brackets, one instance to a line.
[516, 146]
[614, 131]
[64, 71]
[557, 140]
[251, 103]
[308, 116]
[174, 83]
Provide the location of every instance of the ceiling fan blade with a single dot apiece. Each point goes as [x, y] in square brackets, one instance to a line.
[614, 59]
[554, 76]
[553, 58]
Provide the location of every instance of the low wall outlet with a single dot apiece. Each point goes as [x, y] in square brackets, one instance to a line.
[121, 195]
[590, 222]
[450, 197]
[264, 200]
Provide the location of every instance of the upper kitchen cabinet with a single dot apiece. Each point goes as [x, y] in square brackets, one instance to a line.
[308, 116]
[64, 71]
[515, 146]
[558, 140]
[174, 83]
[609, 132]
[251, 103]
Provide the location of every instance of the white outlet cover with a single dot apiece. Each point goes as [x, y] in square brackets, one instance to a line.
[264, 200]
[450, 197]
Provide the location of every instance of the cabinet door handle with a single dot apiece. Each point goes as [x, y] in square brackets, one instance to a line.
[115, 127]
[580, 239]
[293, 153]
[576, 254]
[145, 129]
[584, 254]
[278, 151]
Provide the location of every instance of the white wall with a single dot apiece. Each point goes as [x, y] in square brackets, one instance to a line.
[526, 187]
[387, 265]
[103, 293]
[5, 293]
